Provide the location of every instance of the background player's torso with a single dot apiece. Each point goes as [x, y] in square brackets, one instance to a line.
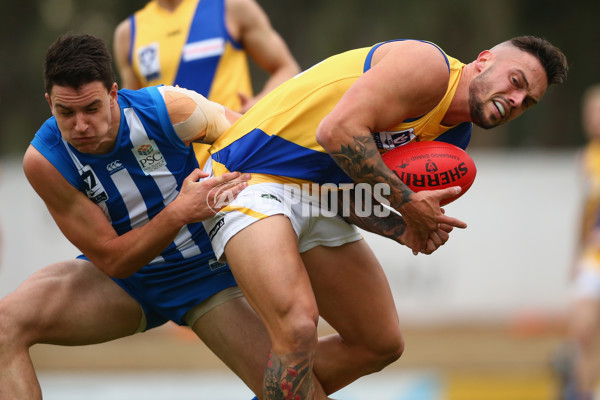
[591, 176]
[190, 47]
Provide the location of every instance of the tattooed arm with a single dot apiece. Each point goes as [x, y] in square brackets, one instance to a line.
[422, 216]
[407, 79]
[387, 223]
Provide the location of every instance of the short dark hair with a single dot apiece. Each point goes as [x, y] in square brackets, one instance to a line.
[76, 59]
[552, 58]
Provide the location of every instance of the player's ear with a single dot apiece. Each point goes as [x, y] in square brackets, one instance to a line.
[482, 59]
[113, 92]
[49, 102]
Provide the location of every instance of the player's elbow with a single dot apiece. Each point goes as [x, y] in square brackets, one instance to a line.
[112, 267]
[328, 134]
[339, 129]
[117, 274]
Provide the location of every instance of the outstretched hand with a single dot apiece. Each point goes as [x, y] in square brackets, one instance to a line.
[427, 225]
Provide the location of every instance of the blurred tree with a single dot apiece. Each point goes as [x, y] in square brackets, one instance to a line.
[27, 30]
[316, 29]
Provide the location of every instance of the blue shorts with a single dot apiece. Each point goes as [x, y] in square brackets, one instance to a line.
[167, 291]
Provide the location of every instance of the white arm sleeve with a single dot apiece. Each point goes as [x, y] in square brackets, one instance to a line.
[194, 117]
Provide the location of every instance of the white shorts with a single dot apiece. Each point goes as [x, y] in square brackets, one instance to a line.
[587, 281]
[263, 200]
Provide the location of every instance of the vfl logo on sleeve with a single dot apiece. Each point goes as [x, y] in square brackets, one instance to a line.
[389, 139]
[149, 157]
[92, 185]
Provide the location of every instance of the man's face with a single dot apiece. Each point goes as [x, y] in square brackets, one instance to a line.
[510, 82]
[85, 116]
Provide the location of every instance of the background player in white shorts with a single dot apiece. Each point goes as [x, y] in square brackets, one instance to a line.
[581, 374]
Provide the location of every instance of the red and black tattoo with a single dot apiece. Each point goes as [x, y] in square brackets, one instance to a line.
[288, 380]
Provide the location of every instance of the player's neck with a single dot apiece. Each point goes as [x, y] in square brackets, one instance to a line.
[459, 110]
[169, 5]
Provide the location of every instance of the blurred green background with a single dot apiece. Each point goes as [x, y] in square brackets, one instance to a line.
[315, 30]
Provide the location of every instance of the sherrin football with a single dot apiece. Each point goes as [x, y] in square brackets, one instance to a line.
[432, 165]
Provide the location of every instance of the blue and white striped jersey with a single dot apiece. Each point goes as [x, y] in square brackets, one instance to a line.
[142, 174]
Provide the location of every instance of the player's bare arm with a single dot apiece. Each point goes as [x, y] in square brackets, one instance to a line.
[390, 92]
[194, 118]
[407, 80]
[86, 226]
[353, 156]
[391, 226]
[121, 46]
[248, 23]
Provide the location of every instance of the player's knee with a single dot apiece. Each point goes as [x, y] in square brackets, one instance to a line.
[4, 322]
[301, 335]
[381, 353]
[297, 332]
[24, 313]
[388, 351]
[12, 328]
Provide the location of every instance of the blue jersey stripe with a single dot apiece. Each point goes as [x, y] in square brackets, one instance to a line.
[279, 157]
[131, 38]
[459, 136]
[212, 20]
[369, 59]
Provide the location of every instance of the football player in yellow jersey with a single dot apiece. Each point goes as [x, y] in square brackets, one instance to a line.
[202, 46]
[294, 266]
[584, 317]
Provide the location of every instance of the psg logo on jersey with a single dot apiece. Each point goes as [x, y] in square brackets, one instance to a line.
[149, 157]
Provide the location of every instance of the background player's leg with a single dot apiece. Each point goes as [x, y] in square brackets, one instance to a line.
[583, 331]
[68, 303]
[235, 333]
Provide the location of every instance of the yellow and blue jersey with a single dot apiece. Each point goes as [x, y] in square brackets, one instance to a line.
[591, 175]
[277, 137]
[590, 169]
[192, 48]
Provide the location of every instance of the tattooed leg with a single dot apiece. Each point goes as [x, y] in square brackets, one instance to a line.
[289, 377]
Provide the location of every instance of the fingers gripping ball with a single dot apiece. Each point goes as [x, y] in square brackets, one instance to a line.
[432, 165]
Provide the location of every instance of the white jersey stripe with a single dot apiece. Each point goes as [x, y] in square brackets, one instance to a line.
[162, 176]
[165, 181]
[79, 166]
[133, 199]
